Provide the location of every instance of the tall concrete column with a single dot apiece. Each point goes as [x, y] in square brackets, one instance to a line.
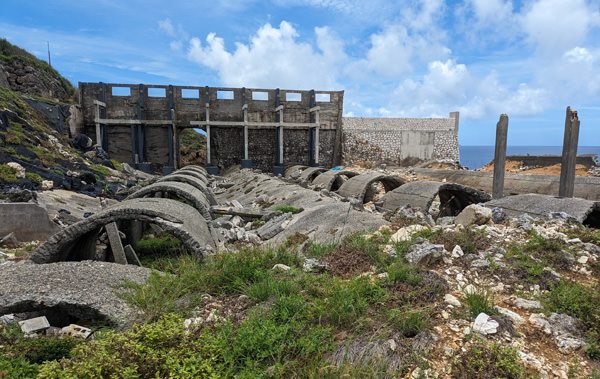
[569, 154]
[210, 169]
[500, 157]
[246, 163]
[279, 169]
[317, 138]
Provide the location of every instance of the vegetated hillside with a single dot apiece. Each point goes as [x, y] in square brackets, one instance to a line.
[193, 148]
[22, 72]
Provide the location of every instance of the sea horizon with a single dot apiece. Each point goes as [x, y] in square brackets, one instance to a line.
[477, 156]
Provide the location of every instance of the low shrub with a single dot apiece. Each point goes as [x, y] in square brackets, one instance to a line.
[482, 360]
[7, 174]
[480, 301]
[288, 209]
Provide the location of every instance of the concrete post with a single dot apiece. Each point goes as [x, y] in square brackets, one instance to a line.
[103, 133]
[208, 163]
[500, 157]
[246, 163]
[569, 155]
[98, 131]
[317, 138]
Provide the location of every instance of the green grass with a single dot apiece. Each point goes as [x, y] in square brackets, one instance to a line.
[33, 177]
[478, 301]
[288, 209]
[99, 168]
[485, 360]
[7, 174]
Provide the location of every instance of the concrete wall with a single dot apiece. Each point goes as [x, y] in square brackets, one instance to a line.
[226, 141]
[392, 140]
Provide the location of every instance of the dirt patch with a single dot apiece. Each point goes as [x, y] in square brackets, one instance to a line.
[347, 261]
[515, 167]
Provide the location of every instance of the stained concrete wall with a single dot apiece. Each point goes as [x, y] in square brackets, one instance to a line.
[189, 102]
[391, 140]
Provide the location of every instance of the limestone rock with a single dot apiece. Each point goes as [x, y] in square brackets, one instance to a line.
[526, 304]
[313, 265]
[274, 226]
[47, 185]
[281, 267]
[405, 234]
[425, 253]
[451, 299]
[485, 325]
[512, 316]
[473, 215]
[19, 170]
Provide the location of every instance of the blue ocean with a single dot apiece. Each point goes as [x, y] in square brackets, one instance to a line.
[475, 157]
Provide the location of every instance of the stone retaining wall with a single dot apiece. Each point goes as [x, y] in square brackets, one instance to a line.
[392, 140]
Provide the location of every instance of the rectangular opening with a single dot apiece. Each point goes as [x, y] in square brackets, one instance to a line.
[224, 95]
[323, 97]
[293, 96]
[157, 92]
[190, 93]
[121, 91]
[259, 95]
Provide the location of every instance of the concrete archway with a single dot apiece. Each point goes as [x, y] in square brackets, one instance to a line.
[453, 197]
[332, 180]
[358, 186]
[177, 189]
[78, 241]
[192, 180]
[310, 173]
[291, 169]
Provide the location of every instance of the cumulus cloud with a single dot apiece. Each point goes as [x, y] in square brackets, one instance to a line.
[554, 26]
[167, 26]
[273, 58]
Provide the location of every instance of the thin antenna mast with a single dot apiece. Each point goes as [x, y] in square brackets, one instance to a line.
[49, 61]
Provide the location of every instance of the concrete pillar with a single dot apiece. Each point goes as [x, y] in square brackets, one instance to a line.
[103, 132]
[278, 169]
[246, 163]
[317, 139]
[500, 157]
[569, 155]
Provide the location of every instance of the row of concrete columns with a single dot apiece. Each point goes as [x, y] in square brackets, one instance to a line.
[568, 162]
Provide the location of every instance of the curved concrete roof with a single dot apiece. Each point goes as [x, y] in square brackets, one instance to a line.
[191, 172]
[192, 180]
[311, 172]
[586, 212]
[357, 186]
[179, 189]
[453, 197]
[331, 180]
[78, 241]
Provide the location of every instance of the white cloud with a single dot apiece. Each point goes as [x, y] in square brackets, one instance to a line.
[554, 26]
[491, 11]
[273, 58]
[166, 26]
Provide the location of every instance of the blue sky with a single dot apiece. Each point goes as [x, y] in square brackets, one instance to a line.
[528, 59]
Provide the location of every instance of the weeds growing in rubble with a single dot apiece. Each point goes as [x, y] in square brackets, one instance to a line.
[484, 360]
[480, 300]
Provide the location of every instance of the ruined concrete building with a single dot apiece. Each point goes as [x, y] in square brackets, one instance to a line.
[269, 129]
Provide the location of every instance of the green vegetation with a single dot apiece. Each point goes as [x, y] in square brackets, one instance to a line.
[7, 174]
[118, 166]
[99, 168]
[580, 301]
[478, 301]
[288, 208]
[483, 360]
[584, 233]
[20, 357]
[193, 140]
[33, 177]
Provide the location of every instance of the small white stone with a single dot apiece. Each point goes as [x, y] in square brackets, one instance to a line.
[392, 344]
[512, 316]
[457, 252]
[582, 260]
[467, 330]
[281, 267]
[452, 300]
[469, 289]
[484, 324]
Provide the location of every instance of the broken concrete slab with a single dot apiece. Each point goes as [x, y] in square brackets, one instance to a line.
[453, 197]
[77, 242]
[28, 221]
[274, 226]
[473, 214]
[310, 173]
[293, 172]
[116, 246]
[34, 325]
[584, 211]
[131, 256]
[81, 290]
[357, 186]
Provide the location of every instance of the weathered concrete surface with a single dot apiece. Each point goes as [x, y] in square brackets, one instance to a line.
[82, 290]
[453, 197]
[177, 189]
[198, 183]
[28, 221]
[310, 173]
[324, 219]
[357, 186]
[291, 169]
[77, 242]
[332, 180]
[584, 211]
[192, 172]
[585, 187]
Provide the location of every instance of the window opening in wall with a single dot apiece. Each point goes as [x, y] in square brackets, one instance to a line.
[323, 98]
[157, 92]
[121, 91]
[225, 95]
[190, 93]
[258, 95]
[293, 96]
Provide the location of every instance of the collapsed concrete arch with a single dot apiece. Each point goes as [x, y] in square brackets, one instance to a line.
[192, 172]
[168, 189]
[359, 185]
[587, 212]
[192, 180]
[332, 180]
[310, 173]
[453, 197]
[291, 169]
[78, 241]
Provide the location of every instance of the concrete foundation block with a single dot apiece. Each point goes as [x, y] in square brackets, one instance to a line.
[166, 170]
[279, 170]
[34, 324]
[145, 167]
[212, 170]
[246, 163]
[28, 221]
